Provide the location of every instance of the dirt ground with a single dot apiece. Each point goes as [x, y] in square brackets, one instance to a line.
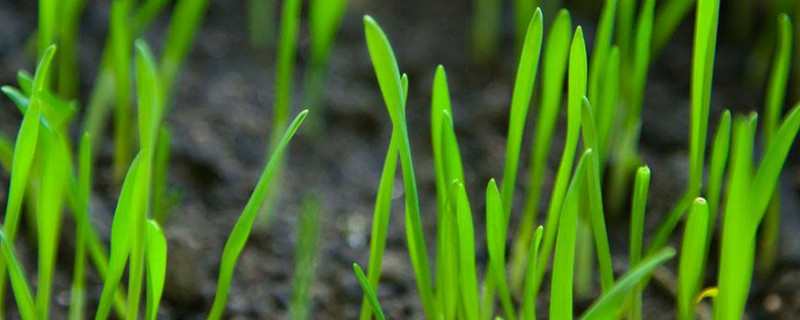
[221, 119]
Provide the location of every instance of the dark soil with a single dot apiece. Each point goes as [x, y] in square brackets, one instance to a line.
[221, 119]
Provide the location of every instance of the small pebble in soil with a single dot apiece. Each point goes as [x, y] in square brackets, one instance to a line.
[773, 303]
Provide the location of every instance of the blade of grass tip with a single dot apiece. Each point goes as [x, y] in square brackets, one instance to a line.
[440, 102]
[607, 306]
[373, 299]
[186, 18]
[736, 252]
[496, 243]
[388, 76]
[49, 213]
[24, 151]
[594, 196]
[121, 46]
[19, 282]
[520, 101]
[641, 187]
[241, 230]
[575, 92]
[77, 300]
[156, 267]
[466, 253]
[601, 49]
[307, 243]
[776, 91]
[669, 16]
[553, 71]
[120, 241]
[380, 222]
[607, 105]
[693, 252]
[564, 262]
[529, 301]
[284, 72]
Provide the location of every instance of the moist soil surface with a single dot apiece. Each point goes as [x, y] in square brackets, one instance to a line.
[221, 120]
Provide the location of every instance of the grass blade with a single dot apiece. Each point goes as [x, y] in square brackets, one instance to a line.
[388, 76]
[186, 18]
[19, 284]
[553, 71]
[496, 243]
[77, 300]
[466, 254]
[640, 189]
[529, 301]
[305, 257]
[693, 256]
[284, 72]
[241, 230]
[564, 261]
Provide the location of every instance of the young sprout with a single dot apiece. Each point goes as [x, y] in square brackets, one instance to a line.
[305, 259]
[241, 230]
[466, 253]
[373, 299]
[638, 204]
[78, 291]
[156, 250]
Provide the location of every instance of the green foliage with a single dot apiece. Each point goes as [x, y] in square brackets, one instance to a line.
[156, 251]
[373, 299]
[641, 187]
[284, 71]
[241, 230]
[305, 258]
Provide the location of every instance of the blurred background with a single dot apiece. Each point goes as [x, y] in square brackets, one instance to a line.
[221, 119]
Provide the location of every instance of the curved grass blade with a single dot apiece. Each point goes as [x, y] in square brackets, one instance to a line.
[609, 304]
[19, 284]
[496, 243]
[241, 230]
[24, 151]
[719, 161]
[388, 76]
[156, 268]
[564, 261]
[641, 187]
[529, 301]
[373, 299]
[520, 101]
[575, 93]
[692, 261]
[553, 71]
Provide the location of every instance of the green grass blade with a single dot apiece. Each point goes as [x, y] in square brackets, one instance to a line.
[523, 12]
[496, 242]
[49, 14]
[440, 102]
[607, 105]
[641, 62]
[24, 151]
[594, 195]
[146, 12]
[160, 194]
[719, 161]
[241, 230]
[485, 29]
[388, 76]
[564, 261]
[641, 187]
[55, 169]
[520, 101]
[466, 252]
[553, 71]
[529, 301]
[120, 241]
[77, 300]
[607, 306]
[156, 267]
[373, 299]
[325, 16]
[19, 283]
[738, 237]
[305, 258]
[575, 92]
[692, 261]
